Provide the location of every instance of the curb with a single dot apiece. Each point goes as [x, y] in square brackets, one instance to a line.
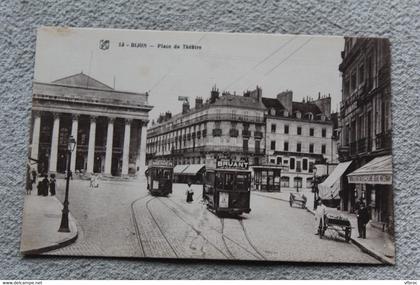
[59, 244]
[361, 246]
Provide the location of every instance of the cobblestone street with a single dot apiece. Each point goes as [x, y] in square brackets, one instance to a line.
[121, 219]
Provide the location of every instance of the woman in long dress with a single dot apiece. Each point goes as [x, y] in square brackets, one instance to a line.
[52, 184]
[190, 193]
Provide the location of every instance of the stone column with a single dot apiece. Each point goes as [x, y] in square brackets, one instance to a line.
[54, 143]
[35, 136]
[74, 130]
[91, 147]
[126, 148]
[141, 153]
[109, 141]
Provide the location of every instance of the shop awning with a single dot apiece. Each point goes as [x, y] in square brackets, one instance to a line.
[330, 188]
[377, 171]
[178, 169]
[193, 169]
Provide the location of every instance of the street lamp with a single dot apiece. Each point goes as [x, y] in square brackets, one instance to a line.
[64, 226]
[314, 188]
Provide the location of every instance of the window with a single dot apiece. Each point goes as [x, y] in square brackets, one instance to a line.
[292, 163]
[361, 74]
[311, 148]
[304, 164]
[324, 132]
[286, 129]
[298, 147]
[286, 146]
[285, 162]
[299, 130]
[285, 181]
[245, 145]
[311, 132]
[273, 128]
[272, 160]
[323, 149]
[257, 146]
[353, 82]
[311, 166]
[273, 145]
[246, 126]
[279, 160]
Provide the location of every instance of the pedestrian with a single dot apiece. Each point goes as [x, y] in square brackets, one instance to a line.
[44, 185]
[190, 193]
[92, 180]
[52, 184]
[39, 186]
[362, 219]
[320, 213]
[34, 175]
[95, 181]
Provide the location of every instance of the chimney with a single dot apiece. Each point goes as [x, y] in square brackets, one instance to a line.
[168, 115]
[257, 94]
[198, 102]
[324, 104]
[286, 98]
[214, 94]
[185, 107]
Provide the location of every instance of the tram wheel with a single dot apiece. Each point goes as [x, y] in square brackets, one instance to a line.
[347, 234]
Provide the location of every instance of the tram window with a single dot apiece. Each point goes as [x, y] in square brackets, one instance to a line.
[242, 181]
[219, 180]
[167, 174]
[229, 181]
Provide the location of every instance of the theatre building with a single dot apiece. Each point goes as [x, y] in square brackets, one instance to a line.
[365, 116]
[108, 125]
[298, 134]
[224, 126]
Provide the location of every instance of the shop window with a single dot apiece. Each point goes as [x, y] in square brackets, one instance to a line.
[297, 182]
[309, 182]
[285, 181]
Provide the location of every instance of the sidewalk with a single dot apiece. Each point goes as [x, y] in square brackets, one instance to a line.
[378, 243]
[41, 221]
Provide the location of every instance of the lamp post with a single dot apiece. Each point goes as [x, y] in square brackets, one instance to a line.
[64, 226]
[314, 188]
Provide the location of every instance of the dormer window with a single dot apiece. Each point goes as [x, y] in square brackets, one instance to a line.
[272, 112]
[298, 115]
[309, 116]
[285, 113]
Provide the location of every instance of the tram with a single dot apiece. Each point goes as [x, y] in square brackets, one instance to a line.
[226, 189]
[159, 178]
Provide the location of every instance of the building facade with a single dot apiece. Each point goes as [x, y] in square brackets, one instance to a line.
[365, 120]
[109, 127]
[298, 134]
[225, 126]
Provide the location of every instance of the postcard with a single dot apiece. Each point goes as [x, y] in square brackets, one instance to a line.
[218, 146]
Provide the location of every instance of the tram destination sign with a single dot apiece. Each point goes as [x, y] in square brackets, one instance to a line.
[232, 164]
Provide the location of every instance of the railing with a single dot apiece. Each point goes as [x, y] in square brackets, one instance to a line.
[246, 133]
[233, 133]
[217, 148]
[383, 141]
[217, 132]
[258, 134]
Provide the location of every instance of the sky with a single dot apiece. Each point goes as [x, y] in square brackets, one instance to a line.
[150, 61]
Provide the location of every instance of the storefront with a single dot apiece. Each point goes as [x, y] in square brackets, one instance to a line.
[330, 189]
[374, 185]
[267, 178]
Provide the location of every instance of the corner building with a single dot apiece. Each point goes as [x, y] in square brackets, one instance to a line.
[299, 134]
[108, 125]
[225, 126]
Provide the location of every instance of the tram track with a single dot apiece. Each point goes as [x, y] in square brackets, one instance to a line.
[135, 223]
[249, 240]
[225, 237]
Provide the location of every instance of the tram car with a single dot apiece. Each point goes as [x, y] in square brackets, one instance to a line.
[227, 188]
[159, 179]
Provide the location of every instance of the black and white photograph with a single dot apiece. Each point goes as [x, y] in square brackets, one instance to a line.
[205, 145]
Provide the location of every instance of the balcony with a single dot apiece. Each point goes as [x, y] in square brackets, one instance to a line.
[246, 133]
[258, 134]
[217, 132]
[383, 141]
[233, 133]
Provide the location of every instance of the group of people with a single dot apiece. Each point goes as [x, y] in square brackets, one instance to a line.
[362, 214]
[45, 185]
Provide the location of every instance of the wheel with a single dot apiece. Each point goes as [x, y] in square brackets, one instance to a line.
[303, 205]
[347, 234]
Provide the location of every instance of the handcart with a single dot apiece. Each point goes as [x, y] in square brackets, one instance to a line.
[298, 199]
[339, 224]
